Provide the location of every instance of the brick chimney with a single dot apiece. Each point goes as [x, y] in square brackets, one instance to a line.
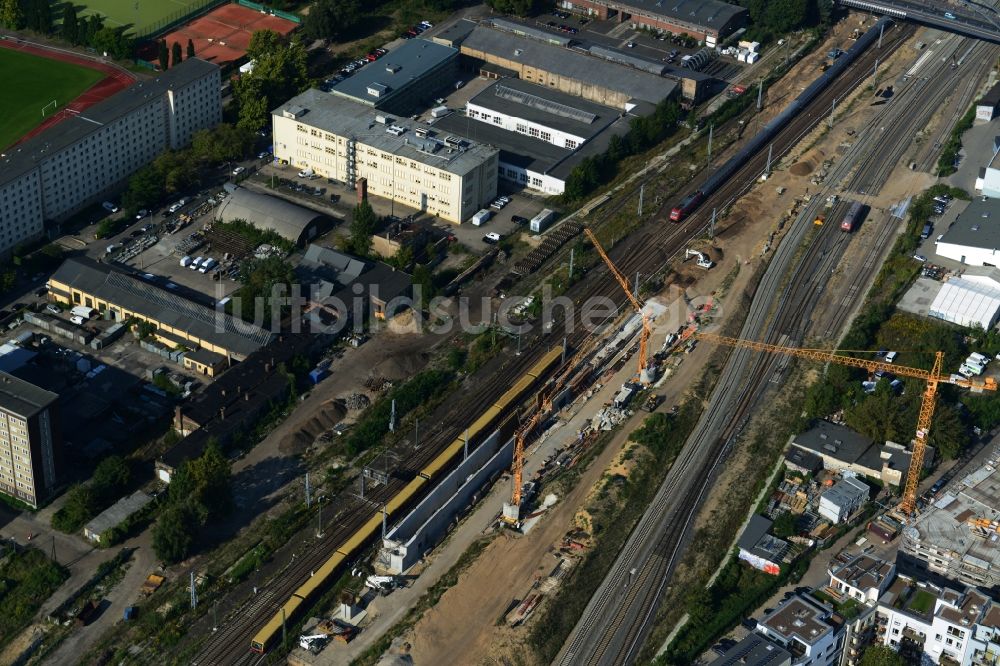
[362, 189]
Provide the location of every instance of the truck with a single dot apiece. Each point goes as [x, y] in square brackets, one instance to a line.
[541, 222]
[152, 584]
[440, 111]
[482, 217]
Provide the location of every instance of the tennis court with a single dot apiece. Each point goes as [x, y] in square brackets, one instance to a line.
[223, 34]
[144, 16]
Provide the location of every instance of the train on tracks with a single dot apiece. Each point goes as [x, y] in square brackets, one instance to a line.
[771, 129]
[853, 217]
[353, 545]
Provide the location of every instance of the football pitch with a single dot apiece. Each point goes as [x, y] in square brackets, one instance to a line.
[31, 83]
[143, 16]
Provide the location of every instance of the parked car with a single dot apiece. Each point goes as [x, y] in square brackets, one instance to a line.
[517, 219]
[919, 257]
[141, 214]
[492, 238]
[53, 308]
[238, 170]
[110, 207]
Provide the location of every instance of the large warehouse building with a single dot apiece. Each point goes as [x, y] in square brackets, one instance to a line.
[84, 158]
[407, 78]
[705, 20]
[295, 223]
[402, 160]
[968, 302]
[974, 237]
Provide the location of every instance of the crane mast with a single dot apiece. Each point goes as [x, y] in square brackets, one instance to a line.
[932, 378]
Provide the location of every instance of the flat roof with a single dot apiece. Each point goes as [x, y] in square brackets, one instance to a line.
[708, 13]
[977, 226]
[863, 572]
[800, 617]
[571, 64]
[23, 398]
[344, 117]
[525, 30]
[846, 491]
[118, 512]
[25, 156]
[127, 290]
[516, 149]
[546, 107]
[754, 650]
[992, 96]
[394, 71]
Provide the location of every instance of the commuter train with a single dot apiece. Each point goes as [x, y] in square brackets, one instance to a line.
[325, 575]
[771, 129]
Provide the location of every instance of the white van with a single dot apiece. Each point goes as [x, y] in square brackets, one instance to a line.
[980, 359]
[890, 357]
[480, 218]
[196, 263]
[966, 371]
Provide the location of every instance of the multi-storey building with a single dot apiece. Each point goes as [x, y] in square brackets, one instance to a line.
[919, 618]
[84, 158]
[804, 626]
[404, 161]
[29, 440]
[705, 20]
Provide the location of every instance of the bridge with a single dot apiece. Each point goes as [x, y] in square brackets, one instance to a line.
[973, 19]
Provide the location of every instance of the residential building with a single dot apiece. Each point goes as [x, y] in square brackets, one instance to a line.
[759, 549]
[942, 544]
[705, 20]
[88, 156]
[919, 618]
[119, 294]
[754, 650]
[842, 499]
[405, 79]
[29, 440]
[291, 222]
[974, 237]
[404, 161]
[844, 450]
[806, 628]
[497, 54]
[986, 639]
[863, 578]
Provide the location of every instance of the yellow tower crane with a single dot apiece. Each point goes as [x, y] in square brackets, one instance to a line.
[623, 281]
[932, 378]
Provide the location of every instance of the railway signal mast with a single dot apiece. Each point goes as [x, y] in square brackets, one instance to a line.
[932, 377]
[645, 372]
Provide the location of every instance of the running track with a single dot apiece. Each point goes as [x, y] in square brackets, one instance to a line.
[117, 79]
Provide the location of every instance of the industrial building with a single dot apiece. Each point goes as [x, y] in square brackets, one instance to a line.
[968, 301]
[347, 286]
[87, 156]
[705, 20]
[938, 621]
[404, 80]
[974, 237]
[401, 160]
[945, 543]
[542, 134]
[120, 295]
[29, 440]
[986, 108]
[759, 549]
[843, 450]
[115, 515]
[496, 54]
[294, 223]
[842, 499]
[988, 180]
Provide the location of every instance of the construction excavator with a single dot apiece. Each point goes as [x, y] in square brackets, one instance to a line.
[702, 259]
[908, 506]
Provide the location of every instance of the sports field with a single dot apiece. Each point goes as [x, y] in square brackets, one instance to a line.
[31, 82]
[143, 16]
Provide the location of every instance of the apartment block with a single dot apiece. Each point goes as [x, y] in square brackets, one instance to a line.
[402, 160]
[87, 157]
[29, 440]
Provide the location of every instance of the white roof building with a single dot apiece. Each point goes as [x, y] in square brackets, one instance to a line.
[968, 302]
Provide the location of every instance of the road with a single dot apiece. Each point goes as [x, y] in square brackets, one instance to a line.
[619, 616]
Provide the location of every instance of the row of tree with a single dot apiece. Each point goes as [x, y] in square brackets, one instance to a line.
[172, 56]
[90, 30]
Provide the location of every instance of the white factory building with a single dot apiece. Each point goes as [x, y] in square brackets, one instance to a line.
[974, 238]
[86, 157]
[402, 160]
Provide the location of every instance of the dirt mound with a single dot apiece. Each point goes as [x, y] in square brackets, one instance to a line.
[400, 366]
[327, 416]
[807, 163]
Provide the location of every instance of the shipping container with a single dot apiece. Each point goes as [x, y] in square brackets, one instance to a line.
[541, 222]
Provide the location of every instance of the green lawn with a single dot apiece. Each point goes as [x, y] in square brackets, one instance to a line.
[31, 82]
[922, 602]
[150, 16]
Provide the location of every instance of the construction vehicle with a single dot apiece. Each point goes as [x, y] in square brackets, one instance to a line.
[645, 372]
[313, 642]
[820, 219]
[701, 258]
[383, 584]
[907, 507]
[152, 584]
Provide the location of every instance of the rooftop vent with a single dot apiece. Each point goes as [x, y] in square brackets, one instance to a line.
[392, 68]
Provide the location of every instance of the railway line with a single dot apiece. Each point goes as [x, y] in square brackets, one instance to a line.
[618, 617]
[645, 252]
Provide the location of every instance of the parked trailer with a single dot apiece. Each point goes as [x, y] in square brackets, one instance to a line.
[771, 129]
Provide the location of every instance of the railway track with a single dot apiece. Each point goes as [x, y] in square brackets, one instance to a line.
[645, 252]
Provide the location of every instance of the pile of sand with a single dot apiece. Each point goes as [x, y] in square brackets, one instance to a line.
[328, 415]
[400, 366]
[807, 163]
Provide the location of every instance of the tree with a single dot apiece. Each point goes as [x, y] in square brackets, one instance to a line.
[177, 54]
[784, 526]
[948, 434]
[70, 26]
[11, 16]
[190, 49]
[164, 55]
[881, 416]
[145, 189]
[89, 28]
[362, 228]
[112, 41]
[110, 478]
[329, 19]
[44, 19]
[173, 533]
[221, 144]
[882, 655]
[279, 73]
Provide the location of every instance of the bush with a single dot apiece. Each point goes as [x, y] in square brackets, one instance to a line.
[28, 579]
[946, 163]
[84, 501]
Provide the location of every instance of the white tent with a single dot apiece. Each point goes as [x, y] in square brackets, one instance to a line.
[967, 303]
